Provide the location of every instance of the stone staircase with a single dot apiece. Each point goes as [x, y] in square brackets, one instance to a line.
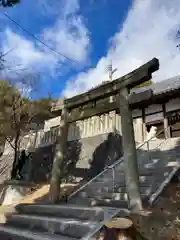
[98, 200]
[56, 221]
[155, 171]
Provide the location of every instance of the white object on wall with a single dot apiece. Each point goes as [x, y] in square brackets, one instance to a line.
[152, 133]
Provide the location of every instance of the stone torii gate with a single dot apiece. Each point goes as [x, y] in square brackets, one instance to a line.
[121, 88]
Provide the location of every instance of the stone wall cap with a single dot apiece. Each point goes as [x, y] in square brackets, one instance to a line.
[119, 223]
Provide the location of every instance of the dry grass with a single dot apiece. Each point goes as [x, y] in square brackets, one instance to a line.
[42, 192]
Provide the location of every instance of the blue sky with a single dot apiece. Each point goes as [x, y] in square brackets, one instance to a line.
[90, 33]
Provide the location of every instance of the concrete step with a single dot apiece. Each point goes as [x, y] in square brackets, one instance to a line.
[160, 169]
[103, 195]
[108, 181]
[13, 233]
[148, 178]
[109, 195]
[95, 190]
[59, 226]
[144, 171]
[62, 211]
[105, 202]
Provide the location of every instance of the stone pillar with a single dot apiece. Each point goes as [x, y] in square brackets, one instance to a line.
[80, 129]
[114, 121]
[59, 158]
[83, 124]
[118, 123]
[110, 121]
[167, 132]
[86, 127]
[106, 122]
[96, 125]
[130, 156]
[101, 124]
[137, 122]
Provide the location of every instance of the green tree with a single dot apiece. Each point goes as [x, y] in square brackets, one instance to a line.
[8, 3]
[18, 115]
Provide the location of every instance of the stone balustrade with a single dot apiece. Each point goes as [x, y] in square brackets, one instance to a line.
[39, 139]
[95, 125]
[90, 127]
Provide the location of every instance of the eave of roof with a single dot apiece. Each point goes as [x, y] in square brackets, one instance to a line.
[162, 87]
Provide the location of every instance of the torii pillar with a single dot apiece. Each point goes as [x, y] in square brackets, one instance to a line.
[136, 77]
[59, 157]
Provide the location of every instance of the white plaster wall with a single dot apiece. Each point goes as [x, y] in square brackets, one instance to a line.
[138, 129]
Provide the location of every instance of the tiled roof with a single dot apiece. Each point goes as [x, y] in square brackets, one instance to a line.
[162, 86]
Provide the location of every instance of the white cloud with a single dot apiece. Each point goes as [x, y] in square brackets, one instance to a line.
[68, 36]
[24, 56]
[149, 30]
[23, 51]
[70, 7]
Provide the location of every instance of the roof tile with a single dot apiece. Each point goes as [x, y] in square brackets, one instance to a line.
[164, 86]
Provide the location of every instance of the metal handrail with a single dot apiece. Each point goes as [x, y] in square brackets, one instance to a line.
[113, 185]
[159, 133]
[116, 163]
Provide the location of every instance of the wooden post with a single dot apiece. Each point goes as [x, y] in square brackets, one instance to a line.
[59, 155]
[119, 229]
[167, 133]
[130, 156]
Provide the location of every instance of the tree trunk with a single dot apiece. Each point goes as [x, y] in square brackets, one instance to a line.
[130, 156]
[123, 235]
[119, 229]
[16, 156]
[117, 234]
[59, 158]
